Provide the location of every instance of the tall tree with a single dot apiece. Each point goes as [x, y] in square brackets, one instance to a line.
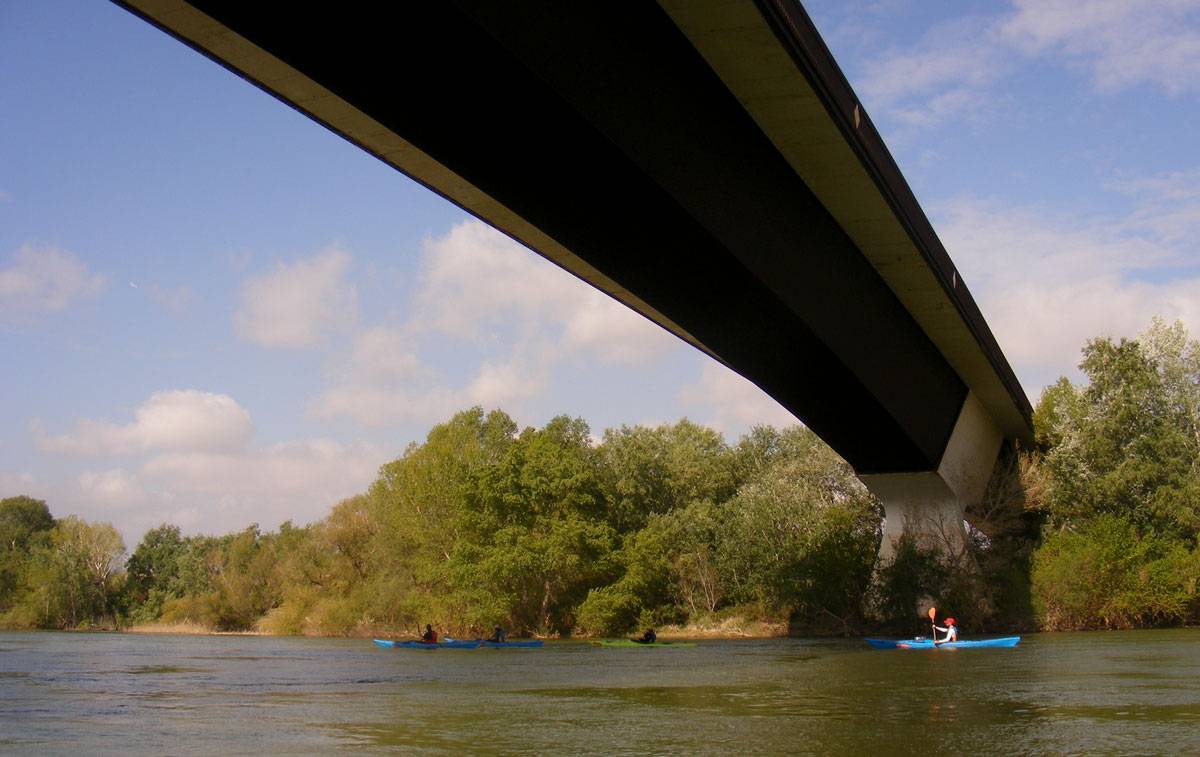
[1120, 481]
[650, 471]
[153, 568]
[23, 522]
[1125, 443]
[87, 561]
[534, 537]
[20, 518]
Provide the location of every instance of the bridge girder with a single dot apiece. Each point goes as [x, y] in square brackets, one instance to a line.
[702, 161]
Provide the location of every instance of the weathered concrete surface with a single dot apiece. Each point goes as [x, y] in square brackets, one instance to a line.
[930, 505]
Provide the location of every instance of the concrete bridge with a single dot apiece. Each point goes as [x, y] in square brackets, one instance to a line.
[704, 162]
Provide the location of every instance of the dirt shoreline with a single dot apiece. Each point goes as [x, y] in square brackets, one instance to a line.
[727, 629]
[185, 629]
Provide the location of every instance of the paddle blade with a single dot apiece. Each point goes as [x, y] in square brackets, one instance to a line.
[932, 613]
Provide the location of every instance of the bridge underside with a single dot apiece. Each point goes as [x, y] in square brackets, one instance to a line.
[603, 137]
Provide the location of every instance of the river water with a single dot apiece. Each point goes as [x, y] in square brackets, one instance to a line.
[1098, 693]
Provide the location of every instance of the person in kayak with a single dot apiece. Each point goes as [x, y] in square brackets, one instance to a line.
[647, 638]
[950, 630]
[497, 636]
[430, 635]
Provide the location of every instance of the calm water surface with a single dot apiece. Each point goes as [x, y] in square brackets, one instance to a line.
[1102, 693]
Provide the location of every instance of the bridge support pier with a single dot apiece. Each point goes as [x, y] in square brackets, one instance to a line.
[929, 505]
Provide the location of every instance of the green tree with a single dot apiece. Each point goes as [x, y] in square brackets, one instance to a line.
[20, 518]
[650, 471]
[153, 572]
[645, 593]
[418, 499]
[84, 566]
[534, 537]
[1125, 444]
[803, 536]
[1120, 482]
[25, 524]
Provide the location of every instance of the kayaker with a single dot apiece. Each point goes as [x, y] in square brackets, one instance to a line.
[649, 637]
[950, 630]
[497, 636]
[430, 635]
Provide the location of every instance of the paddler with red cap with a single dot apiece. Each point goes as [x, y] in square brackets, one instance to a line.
[951, 631]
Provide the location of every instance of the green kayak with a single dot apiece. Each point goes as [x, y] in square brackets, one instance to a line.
[632, 643]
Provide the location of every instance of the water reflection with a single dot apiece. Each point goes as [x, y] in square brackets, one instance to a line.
[1070, 693]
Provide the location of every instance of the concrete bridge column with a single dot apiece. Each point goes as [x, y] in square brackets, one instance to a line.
[929, 505]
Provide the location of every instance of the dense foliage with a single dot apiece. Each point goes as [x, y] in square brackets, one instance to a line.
[540, 530]
[1119, 483]
[55, 573]
[552, 531]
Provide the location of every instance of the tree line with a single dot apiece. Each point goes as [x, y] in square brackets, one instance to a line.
[551, 531]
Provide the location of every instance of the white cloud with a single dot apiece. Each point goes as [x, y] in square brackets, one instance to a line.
[1120, 43]
[45, 279]
[382, 354]
[1043, 327]
[943, 78]
[298, 305]
[110, 487]
[219, 492]
[617, 335]
[474, 278]
[381, 404]
[13, 483]
[948, 76]
[504, 384]
[297, 480]
[952, 70]
[377, 407]
[730, 403]
[384, 382]
[1168, 205]
[1046, 285]
[521, 315]
[185, 420]
[1002, 247]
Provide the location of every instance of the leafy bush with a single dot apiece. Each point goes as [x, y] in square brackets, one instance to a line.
[914, 576]
[335, 616]
[199, 609]
[289, 619]
[608, 610]
[1104, 574]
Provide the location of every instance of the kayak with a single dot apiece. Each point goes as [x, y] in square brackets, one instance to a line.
[527, 643]
[404, 644]
[445, 644]
[460, 643]
[632, 643]
[1005, 641]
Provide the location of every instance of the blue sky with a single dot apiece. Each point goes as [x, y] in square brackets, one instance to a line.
[160, 220]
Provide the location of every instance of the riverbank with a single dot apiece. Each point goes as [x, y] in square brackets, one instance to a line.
[725, 628]
[190, 629]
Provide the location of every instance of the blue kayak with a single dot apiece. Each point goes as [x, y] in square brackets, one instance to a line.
[445, 644]
[529, 643]
[1005, 641]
